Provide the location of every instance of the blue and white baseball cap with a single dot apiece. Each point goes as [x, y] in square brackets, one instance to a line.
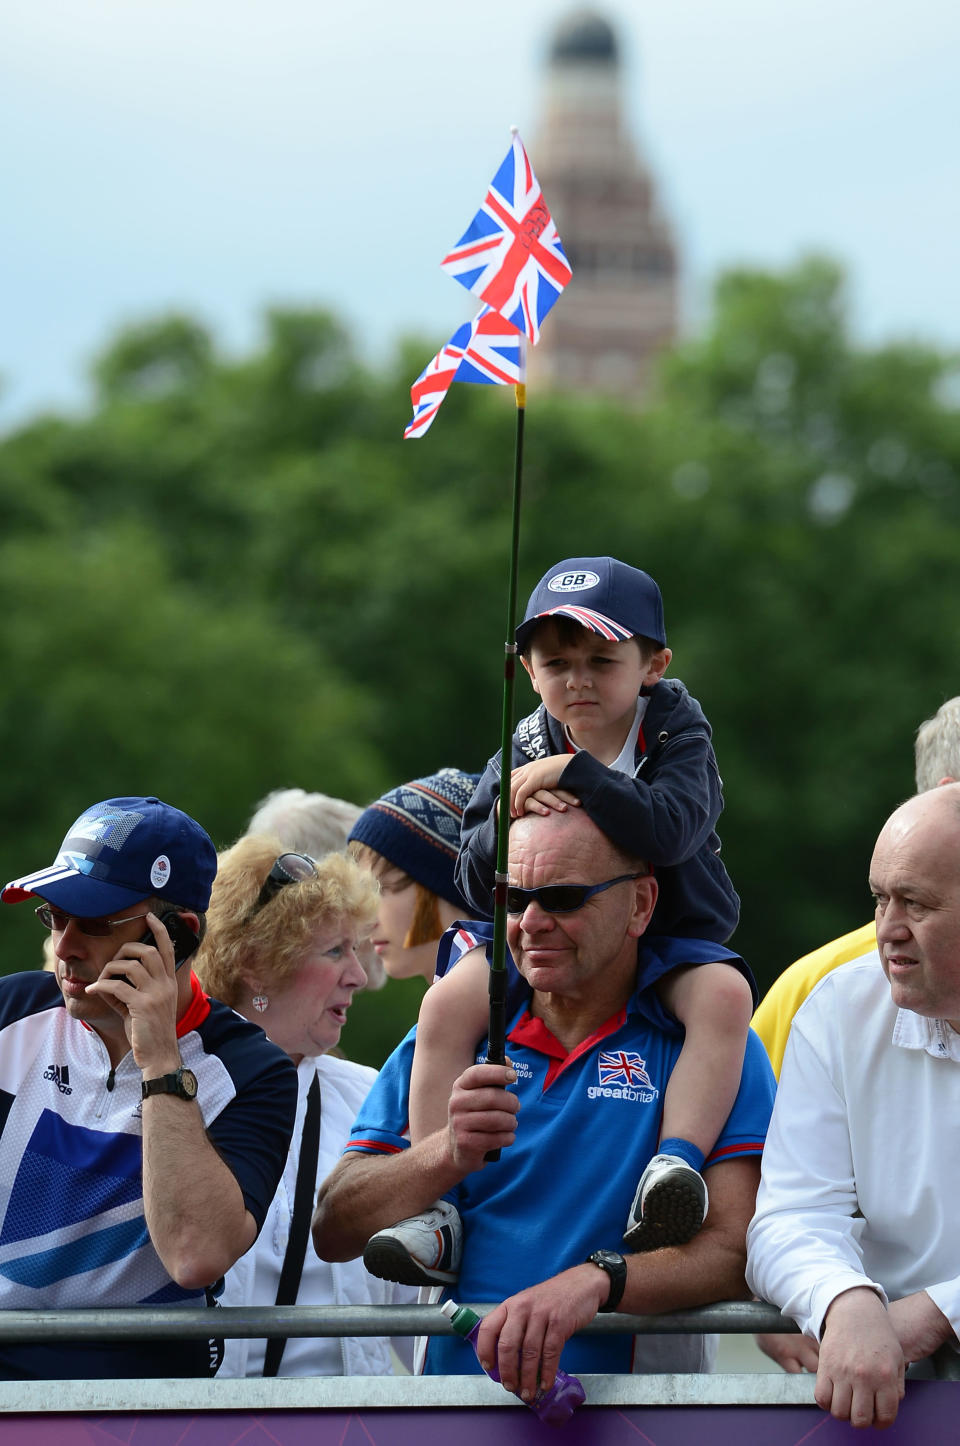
[600, 593]
[119, 852]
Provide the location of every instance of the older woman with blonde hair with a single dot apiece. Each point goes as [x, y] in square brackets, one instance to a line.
[281, 949]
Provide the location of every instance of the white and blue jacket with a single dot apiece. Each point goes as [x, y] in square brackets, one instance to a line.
[73, 1232]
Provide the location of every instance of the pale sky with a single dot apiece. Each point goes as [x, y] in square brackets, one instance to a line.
[218, 156]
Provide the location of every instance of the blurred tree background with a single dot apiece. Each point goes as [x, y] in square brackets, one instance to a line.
[234, 575]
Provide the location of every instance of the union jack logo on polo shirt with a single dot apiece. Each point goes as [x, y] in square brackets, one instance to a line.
[623, 1067]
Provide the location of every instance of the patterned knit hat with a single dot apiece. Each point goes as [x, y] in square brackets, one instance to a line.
[417, 828]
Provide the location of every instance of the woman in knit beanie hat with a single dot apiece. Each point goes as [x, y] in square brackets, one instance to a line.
[409, 839]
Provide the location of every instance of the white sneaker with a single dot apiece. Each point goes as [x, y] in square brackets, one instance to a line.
[422, 1250]
[669, 1207]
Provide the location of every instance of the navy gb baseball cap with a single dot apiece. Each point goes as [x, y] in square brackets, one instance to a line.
[119, 852]
[600, 593]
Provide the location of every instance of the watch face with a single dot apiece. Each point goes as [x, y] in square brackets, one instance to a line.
[188, 1084]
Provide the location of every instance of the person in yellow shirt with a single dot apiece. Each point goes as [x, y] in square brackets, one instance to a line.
[775, 1012]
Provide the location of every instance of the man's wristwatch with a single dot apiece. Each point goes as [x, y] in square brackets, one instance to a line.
[182, 1082]
[616, 1268]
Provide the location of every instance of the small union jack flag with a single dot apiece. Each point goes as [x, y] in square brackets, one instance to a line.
[485, 350]
[511, 255]
[623, 1067]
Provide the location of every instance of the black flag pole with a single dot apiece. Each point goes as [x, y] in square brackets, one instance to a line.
[511, 257]
[496, 1035]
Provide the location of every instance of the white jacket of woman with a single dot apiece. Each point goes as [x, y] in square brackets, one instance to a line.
[256, 1275]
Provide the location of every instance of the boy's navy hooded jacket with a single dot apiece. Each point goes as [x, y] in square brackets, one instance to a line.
[666, 813]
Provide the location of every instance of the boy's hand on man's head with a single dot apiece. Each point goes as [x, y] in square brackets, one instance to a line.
[533, 787]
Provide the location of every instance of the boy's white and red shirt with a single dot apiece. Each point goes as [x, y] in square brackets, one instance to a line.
[634, 745]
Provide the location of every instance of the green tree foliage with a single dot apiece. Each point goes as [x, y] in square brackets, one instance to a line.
[234, 575]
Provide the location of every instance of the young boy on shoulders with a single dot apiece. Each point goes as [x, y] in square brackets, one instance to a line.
[612, 736]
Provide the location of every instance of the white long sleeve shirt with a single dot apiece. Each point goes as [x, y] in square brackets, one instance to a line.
[861, 1174]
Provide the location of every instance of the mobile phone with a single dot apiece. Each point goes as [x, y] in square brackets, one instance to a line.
[184, 940]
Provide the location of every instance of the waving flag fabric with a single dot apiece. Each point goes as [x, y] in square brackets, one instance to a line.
[511, 255]
[485, 350]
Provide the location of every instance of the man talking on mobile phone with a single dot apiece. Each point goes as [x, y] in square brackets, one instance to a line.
[143, 1126]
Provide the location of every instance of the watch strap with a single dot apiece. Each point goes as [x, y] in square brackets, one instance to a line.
[168, 1084]
[616, 1269]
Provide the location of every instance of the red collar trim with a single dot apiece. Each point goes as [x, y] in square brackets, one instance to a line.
[531, 1031]
[196, 1011]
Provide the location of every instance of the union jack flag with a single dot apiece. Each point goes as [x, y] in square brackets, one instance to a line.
[623, 1067]
[485, 350]
[511, 255]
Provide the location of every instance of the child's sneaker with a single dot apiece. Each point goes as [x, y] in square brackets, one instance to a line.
[423, 1250]
[669, 1207]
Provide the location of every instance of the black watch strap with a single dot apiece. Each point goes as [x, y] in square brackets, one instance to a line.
[181, 1082]
[616, 1268]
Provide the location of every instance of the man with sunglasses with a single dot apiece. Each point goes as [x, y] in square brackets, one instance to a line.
[589, 1066]
[143, 1126]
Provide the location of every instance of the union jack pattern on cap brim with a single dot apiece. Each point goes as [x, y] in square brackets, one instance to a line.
[587, 618]
[511, 255]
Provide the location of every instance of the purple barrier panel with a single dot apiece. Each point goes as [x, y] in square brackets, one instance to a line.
[929, 1414]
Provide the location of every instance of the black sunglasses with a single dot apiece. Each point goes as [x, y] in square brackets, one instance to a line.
[560, 898]
[287, 869]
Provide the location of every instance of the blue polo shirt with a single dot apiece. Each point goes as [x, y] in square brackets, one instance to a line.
[589, 1123]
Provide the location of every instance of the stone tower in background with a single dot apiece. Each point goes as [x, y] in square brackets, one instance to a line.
[620, 309]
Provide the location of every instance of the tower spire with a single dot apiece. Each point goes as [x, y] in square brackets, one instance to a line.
[620, 310]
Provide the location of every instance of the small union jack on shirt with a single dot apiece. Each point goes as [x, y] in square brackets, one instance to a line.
[511, 254]
[622, 1066]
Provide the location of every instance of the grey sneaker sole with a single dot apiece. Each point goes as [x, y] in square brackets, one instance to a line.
[386, 1258]
[672, 1215]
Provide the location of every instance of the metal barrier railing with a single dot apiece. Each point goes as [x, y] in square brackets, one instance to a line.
[363, 1392]
[244, 1322]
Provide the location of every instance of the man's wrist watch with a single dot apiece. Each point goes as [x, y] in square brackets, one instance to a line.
[182, 1082]
[616, 1268]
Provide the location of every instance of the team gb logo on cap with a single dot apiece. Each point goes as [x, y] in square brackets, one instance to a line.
[160, 872]
[572, 581]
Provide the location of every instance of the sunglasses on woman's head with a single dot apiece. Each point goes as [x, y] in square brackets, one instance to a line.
[287, 869]
[560, 898]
